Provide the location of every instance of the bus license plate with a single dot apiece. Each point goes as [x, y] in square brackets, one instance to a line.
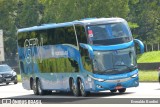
[119, 87]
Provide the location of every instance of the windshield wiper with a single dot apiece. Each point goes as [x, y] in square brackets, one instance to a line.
[109, 71]
[128, 67]
[133, 67]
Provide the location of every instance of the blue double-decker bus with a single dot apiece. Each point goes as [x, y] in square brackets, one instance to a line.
[81, 56]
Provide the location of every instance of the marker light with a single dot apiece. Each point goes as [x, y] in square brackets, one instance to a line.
[98, 79]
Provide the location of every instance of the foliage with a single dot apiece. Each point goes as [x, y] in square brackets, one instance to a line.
[7, 25]
[148, 76]
[146, 14]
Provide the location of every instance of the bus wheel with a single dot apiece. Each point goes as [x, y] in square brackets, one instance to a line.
[74, 88]
[34, 87]
[113, 91]
[122, 90]
[82, 88]
[48, 92]
[39, 88]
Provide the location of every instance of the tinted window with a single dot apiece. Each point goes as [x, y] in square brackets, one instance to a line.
[58, 65]
[54, 36]
[86, 61]
[22, 37]
[109, 34]
[28, 38]
[115, 62]
[81, 35]
[63, 35]
[70, 37]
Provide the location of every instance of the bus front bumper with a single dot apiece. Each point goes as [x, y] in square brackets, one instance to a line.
[116, 84]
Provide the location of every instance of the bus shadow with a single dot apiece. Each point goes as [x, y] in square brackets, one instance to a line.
[108, 94]
[92, 94]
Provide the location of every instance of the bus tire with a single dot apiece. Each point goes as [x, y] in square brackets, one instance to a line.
[122, 90]
[48, 92]
[31, 83]
[39, 88]
[113, 91]
[34, 87]
[74, 88]
[82, 88]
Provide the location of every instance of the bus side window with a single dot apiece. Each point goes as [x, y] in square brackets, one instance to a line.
[74, 64]
[70, 37]
[86, 61]
[81, 35]
[82, 38]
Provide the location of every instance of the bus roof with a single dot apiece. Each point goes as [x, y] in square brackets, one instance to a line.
[86, 21]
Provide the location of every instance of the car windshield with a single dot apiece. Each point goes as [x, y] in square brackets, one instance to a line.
[109, 34]
[114, 62]
[5, 68]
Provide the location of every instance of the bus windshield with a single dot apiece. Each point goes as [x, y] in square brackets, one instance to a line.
[109, 34]
[114, 62]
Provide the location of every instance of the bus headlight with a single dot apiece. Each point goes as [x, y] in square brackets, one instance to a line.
[98, 79]
[135, 75]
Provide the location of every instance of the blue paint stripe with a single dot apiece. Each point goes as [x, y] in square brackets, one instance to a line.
[113, 47]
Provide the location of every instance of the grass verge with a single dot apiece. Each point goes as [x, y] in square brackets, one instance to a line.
[148, 76]
[149, 57]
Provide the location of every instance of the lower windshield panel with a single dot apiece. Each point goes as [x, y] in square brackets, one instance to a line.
[114, 62]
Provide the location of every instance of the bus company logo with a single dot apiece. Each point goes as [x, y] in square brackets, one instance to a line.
[61, 53]
[56, 53]
[29, 51]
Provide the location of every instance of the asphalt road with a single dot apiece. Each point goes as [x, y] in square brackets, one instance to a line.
[145, 90]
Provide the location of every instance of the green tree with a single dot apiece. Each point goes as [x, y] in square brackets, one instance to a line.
[62, 10]
[7, 20]
[29, 13]
[146, 13]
